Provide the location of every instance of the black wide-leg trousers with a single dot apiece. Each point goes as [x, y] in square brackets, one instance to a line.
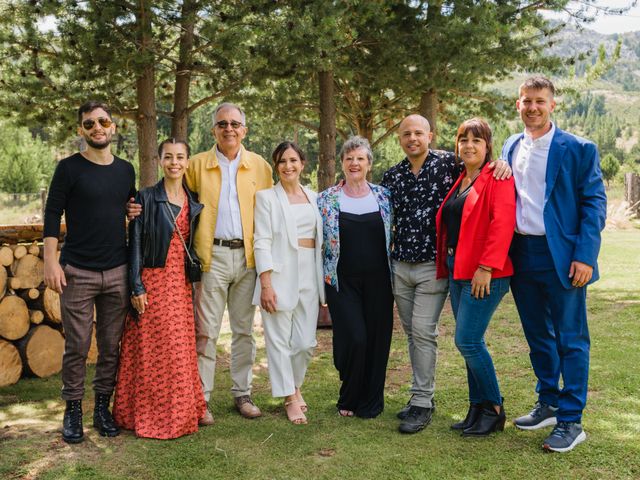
[362, 315]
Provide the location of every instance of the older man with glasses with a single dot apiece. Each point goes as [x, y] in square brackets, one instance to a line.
[227, 178]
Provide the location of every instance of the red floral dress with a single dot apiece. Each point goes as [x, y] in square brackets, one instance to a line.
[158, 392]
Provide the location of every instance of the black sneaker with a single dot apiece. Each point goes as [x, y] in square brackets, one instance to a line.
[417, 418]
[564, 437]
[402, 414]
[541, 416]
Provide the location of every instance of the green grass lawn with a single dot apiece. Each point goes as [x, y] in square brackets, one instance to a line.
[332, 447]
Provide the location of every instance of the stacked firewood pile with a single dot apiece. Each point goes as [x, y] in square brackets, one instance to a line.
[31, 333]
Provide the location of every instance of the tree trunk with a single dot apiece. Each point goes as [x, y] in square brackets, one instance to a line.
[632, 191]
[327, 132]
[145, 95]
[41, 351]
[429, 109]
[180, 119]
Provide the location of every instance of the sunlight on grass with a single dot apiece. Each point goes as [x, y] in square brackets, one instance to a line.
[332, 447]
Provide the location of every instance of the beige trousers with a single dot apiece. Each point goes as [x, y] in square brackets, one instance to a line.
[228, 283]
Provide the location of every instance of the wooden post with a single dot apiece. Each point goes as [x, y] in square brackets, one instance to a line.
[632, 191]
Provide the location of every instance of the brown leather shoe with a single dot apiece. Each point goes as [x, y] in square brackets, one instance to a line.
[246, 407]
[207, 419]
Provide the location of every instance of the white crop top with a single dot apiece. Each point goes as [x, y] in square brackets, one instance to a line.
[305, 217]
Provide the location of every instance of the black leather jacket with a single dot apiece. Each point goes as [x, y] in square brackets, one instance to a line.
[150, 233]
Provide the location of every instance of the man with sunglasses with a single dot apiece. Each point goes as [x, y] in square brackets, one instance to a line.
[226, 179]
[91, 188]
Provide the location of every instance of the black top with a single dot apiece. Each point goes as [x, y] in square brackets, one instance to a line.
[452, 214]
[363, 248]
[93, 198]
[416, 201]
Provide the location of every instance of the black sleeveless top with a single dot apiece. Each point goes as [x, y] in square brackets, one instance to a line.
[363, 247]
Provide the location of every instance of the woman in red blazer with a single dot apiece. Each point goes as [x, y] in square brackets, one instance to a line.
[475, 225]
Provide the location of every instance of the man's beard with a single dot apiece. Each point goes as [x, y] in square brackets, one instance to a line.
[96, 145]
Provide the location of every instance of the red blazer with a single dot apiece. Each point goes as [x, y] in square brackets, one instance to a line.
[486, 230]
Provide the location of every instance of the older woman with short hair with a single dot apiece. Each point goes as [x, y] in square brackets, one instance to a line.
[356, 245]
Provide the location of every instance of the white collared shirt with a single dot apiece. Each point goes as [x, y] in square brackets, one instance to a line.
[228, 222]
[529, 171]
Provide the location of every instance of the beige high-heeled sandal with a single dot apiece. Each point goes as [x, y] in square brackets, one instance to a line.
[295, 417]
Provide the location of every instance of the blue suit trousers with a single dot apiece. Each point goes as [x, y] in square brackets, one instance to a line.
[554, 320]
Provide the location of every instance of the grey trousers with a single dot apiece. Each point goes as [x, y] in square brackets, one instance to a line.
[108, 291]
[228, 283]
[420, 298]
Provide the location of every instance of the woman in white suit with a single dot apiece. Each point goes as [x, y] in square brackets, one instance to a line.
[287, 243]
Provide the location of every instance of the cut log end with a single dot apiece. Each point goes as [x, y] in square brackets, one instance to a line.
[14, 317]
[6, 256]
[41, 351]
[11, 364]
[29, 271]
[36, 317]
[19, 251]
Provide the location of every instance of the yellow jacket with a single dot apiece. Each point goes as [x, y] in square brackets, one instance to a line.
[204, 177]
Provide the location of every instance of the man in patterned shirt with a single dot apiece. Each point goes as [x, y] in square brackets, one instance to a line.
[418, 185]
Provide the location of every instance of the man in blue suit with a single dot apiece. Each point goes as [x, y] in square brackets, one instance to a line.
[560, 212]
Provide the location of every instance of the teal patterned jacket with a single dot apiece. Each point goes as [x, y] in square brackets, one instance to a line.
[329, 206]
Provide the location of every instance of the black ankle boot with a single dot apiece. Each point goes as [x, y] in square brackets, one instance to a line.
[472, 415]
[487, 422]
[102, 419]
[72, 422]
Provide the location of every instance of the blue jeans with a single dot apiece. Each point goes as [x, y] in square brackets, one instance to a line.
[472, 318]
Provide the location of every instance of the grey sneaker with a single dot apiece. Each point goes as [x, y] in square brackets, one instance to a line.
[541, 416]
[564, 437]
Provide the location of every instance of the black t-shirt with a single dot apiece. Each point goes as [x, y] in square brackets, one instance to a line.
[93, 198]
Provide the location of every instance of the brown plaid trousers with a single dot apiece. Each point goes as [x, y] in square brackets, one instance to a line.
[108, 291]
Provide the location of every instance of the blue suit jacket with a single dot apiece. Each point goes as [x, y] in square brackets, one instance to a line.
[575, 204]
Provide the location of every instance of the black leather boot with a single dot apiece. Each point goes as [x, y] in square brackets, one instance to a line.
[102, 419]
[487, 422]
[72, 422]
[472, 415]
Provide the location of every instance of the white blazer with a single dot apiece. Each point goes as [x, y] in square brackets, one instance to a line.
[275, 244]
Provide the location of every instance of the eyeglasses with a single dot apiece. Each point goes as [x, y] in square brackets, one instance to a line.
[90, 123]
[223, 124]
